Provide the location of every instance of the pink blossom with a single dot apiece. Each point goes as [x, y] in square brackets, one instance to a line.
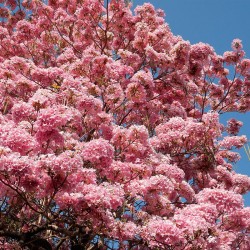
[233, 126]
[17, 139]
[42, 98]
[22, 111]
[133, 142]
[124, 230]
[3, 33]
[191, 224]
[99, 152]
[126, 171]
[241, 183]
[45, 76]
[241, 218]
[51, 118]
[129, 58]
[88, 104]
[155, 184]
[15, 165]
[225, 201]
[230, 57]
[245, 66]
[171, 171]
[136, 92]
[106, 195]
[201, 51]
[233, 141]
[237, 44]
[51, 138]
[158, 233]
[176, 109]
[186, 191]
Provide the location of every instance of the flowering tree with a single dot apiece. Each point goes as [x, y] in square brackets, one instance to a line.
[110, 135]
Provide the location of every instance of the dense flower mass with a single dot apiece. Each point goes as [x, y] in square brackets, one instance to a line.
[110, 133]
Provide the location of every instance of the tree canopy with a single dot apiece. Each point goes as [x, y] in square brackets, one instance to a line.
[110, 135]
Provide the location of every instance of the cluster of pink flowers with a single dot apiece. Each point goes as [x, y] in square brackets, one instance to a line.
[161, 233]
[233, 141]
[98, 152]
[233, 126]
[225, 201]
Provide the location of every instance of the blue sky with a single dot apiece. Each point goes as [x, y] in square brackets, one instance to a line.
[216, 22]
